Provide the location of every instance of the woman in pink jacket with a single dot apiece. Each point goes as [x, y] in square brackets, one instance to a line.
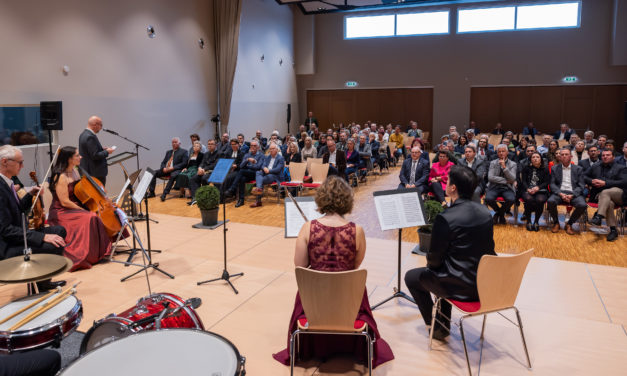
[438, 176]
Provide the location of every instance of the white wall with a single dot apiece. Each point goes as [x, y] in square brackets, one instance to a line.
[265, 29]
[146, 89]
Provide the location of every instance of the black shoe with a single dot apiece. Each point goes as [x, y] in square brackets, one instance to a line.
[495, 218]
[530, 226]
[150, 194]
[49, 285]
[502, 219]
[596, 220]
[229, 193]
[536, 227]
[162, 197]
[440, 334]
[613, 235]
[239, 203]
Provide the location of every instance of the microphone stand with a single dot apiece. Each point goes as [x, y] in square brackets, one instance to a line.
[140, 216]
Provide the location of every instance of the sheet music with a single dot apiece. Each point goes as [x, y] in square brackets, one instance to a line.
[294, 220]
[142, 187]
[117, 202]
[399, 210]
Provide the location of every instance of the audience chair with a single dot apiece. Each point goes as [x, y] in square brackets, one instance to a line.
[562, 143]
[619, 211]
[309, 162]
[331, 302]
[538, 139]
[498, 282]
[425, 140]
[318, 173]
[297, 175]
[494, 139]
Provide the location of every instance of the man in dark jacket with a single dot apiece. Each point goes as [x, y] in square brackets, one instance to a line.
[415, 171]
[479, 166]
[209, 161]
[335, 158]
[174, 161]
[462, 234]
[94, 156]
[566, 188]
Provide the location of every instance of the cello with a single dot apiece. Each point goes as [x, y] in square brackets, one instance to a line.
[90, 192]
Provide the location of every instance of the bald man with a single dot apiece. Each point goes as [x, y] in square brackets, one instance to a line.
[94, 159]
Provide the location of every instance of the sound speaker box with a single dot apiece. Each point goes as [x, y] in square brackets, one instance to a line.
[289, 113]
[51, 115]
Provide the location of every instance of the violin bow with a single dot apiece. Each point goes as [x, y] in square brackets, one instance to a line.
[54, 159]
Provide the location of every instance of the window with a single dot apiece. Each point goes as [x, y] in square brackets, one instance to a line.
[486, 19]
[422, 23]
[368, 27]
[548, 15]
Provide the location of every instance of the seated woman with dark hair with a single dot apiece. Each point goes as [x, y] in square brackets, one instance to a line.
[333, 244]
[439, 176]
[352, 160]
[534, 189]
[461, 144]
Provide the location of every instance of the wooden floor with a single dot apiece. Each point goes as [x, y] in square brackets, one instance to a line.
[586, 247]
[574, 313]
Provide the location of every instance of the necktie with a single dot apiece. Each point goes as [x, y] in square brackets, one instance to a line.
[170, 160]
[14, 193]
[412, 176]
[482, 152]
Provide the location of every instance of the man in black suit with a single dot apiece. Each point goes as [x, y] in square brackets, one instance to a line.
[310, 120]
[47, 240]
[462, 234]
[209, 161]
[564, 133]
[586, 164]
[479, 166]
[530, 130]
[608, 180]
[224, 145]
[94, 156]
[174, 161]
[335, 158]
[415, 171]
[234, 152]
[567, 186]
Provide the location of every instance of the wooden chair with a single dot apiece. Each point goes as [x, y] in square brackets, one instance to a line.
[331, 302]
[538, 139]
[425, 140]
[562, 143]
[498, 282]
[319, 172]
[494, 139]
[297, 175]
[310, 161]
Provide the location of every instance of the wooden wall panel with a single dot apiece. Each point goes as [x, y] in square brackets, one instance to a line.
[485, 103]
[515, 107]
[546, 106]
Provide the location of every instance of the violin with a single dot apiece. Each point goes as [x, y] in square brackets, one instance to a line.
[90, 192]
[36, 216]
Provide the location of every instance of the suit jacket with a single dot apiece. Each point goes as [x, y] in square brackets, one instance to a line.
[497, 176]
[614, 175]
[277, 168]
[340, 161]
[322, 150]
[422, 172]
[209, 160]
[259, 158]
[585, 164]
[353, 159]
[11, 210]
[364, 151]
[461, 235]
[94, 159]
[223, 147]
[576, 179]
[479, 167]
[489, 154]
[296, 157]
[178, 162]
[566, 135]
[238, 159]
[621, 160]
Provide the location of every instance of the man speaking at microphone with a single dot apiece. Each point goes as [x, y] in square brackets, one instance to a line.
[94, 156]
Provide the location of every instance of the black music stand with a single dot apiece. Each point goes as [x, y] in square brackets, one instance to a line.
[140, 194]
[398, 209]
[217, 177]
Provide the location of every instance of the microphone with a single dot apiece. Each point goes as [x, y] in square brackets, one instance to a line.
[110, 131]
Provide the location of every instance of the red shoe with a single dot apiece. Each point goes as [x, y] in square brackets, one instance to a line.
[256, 204]
[257, 191]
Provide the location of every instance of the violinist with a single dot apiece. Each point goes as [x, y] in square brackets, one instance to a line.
[87, 239]
[46, 239]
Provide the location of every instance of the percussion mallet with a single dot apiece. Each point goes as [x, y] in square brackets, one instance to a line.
[58, 289]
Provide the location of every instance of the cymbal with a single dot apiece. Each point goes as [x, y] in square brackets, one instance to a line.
[40, 266]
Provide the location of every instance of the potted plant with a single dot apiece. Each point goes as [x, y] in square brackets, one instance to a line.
[431, 210]
[208, 198]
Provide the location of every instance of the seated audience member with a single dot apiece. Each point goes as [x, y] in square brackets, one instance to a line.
[195, 137]
[415, 171]
[621, 159]
[461, 145]
[243, 145]
[546, 140]
[470, 137]
[588, 139]
[274, 137]
[564, 132]
[511, 149]
[190, 171]
[445, 147]
[397, 139]
[567, 185]
[335, 158]
[263, 142]
[237, 155]
[483, 150]
[343, 139]
[224, 145]
[474, 127]
[206, 166]
[365, 155]
[601, 140]
[309, 151]
[501, 183]
[593, 158]
[333, 244]
[521, 149]
[172, 164]
[608, 180]
[579, 153]
[251, 163]
[270, 172]
[301, 140]
[609, 145]
[512, 142]
[374, 149]
[479, 166]
[534, 189]
[530, 130]
[301, 129]
[462, 234]
[323, 148]
[454, 136]
[553, 148]
[572, 141]
[292, 154]
[438, 176]
[413, 130]
[352, 160]
[498, 129]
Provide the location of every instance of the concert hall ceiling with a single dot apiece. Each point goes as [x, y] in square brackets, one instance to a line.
[331, 6]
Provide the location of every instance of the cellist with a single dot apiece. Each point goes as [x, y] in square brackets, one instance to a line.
[87, 239]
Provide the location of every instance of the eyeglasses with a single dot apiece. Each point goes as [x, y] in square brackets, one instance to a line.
[21, 163]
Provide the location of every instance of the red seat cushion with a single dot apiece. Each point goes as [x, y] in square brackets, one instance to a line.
[311, 185]
[358, 323]
[500, 199]
[593, 205]
[289, 184]
[466, 306]
[252, 182]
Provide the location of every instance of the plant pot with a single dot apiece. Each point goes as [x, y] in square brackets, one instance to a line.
[209, 217]
[424, 241]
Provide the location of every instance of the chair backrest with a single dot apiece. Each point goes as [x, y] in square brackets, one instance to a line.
[408, 140]
[495, 139]
[297, 171]
[562, 143]
[499, 279]
[538, 139]
[425, 136]
[331, 300]
[312, 160]
[318, 172]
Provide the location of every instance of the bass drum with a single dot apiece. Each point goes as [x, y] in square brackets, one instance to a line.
[138, 319]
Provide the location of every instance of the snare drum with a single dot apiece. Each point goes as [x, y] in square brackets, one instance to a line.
[162, 352]
[114, 327]
[48, 328]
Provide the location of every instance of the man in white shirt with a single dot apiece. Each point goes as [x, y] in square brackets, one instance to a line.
[567, 187]
[544, 148]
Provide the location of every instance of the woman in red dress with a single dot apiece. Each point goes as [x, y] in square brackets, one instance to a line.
[87, 240]
[333, 244]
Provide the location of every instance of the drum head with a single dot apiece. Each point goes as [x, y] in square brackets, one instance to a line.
[102, 333]
[163, 352]
[59, 311]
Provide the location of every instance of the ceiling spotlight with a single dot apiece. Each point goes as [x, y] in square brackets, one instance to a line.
[262, 58]
[201, 43]
[66, 70]
[281, 62]
[151, 32]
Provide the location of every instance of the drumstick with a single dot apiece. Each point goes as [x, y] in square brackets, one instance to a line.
[45, 307]
[58, 289]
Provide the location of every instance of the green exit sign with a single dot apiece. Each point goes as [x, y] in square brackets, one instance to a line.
[570, 79]
[351, 84]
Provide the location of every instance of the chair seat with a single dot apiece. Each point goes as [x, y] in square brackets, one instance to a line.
[500, 199]
[289, 184]
[593, 205]
[311, 185]
[466, 306]
[358, 326]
